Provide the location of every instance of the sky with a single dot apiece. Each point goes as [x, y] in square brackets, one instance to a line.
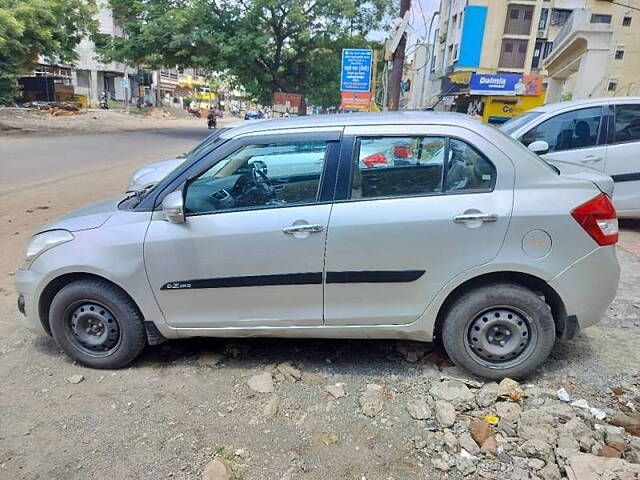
[421, 12]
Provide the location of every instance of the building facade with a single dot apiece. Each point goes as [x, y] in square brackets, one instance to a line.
[553, 46]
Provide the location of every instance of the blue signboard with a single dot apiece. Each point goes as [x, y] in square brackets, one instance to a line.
[356, 70]
[497, 84]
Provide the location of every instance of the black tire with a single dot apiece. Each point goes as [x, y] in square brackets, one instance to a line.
[514, 325]
[115, 329]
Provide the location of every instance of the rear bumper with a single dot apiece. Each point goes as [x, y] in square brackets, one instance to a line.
[588, 287]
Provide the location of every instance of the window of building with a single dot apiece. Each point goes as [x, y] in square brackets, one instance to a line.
[626, 21]
[519, 18]
[513, 53]
[460, 20]
[548, 47]
[455, 52]
[559, 16]
[537, 55]
[544, 16]
[568, 131]
[454, 21]
[259, 176]
[612, 87]
[600, 18]
[627, 123]
[619, 54]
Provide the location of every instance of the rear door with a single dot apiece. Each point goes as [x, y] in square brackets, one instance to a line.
[415, 206]
[576, 136]
[623, 156]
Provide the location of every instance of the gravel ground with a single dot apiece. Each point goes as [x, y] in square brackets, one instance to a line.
[188, 402]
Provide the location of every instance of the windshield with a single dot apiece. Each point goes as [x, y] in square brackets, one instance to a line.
[515, 123]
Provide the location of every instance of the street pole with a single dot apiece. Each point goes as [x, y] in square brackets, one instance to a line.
[398, 63]
[374, 73]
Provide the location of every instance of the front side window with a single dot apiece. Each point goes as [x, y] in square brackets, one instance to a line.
[412, 166]
[567, 131]
[627, 123]
[259, 176]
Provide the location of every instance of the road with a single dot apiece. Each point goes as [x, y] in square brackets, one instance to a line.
[31, 161]
[171, 412]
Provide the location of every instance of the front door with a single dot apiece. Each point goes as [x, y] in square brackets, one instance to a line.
[623, 158]
[420, 208]
[251, 252]
[576, 136]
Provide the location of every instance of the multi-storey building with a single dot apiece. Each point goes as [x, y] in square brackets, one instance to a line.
[569, 48]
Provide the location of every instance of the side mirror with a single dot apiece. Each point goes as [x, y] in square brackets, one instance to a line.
[173, 207]
[539, 146]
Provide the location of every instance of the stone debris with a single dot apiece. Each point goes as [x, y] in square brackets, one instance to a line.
[454, 392]
[75, 379]
[480, 430]
[487, 395]
[289, 372]
[418, 409]
[271, 407]
[371, 400]
[583, 466]
[335, 391]
[510, 389]
[210, 359]
[261, 383]
[216, 470]
[445, 413]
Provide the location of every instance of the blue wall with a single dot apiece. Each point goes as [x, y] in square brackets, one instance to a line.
[472, 35]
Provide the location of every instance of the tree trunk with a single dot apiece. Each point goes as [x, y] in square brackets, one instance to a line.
[303, 104]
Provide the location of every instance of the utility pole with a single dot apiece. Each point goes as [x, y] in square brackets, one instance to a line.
[398, 62]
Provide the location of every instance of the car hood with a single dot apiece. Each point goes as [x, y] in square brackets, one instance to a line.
[154, 172]
[85, 218]
[603, 181]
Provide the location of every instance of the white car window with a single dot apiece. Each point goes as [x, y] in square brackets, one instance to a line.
[568, 131]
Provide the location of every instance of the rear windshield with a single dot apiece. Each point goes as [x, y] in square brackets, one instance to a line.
[515, 123]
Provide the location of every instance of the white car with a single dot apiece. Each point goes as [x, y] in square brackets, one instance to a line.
[601, 133]
[146, 177]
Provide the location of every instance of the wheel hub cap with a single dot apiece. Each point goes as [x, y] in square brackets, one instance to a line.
[94, 328]
[498, 335]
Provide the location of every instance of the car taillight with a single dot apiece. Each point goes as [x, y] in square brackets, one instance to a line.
[599, 218]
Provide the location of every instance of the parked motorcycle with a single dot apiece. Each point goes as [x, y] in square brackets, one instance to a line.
[104, 101]
[212, 119]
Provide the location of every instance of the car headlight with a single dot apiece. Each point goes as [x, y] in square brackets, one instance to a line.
[138, 174]
[42, 242]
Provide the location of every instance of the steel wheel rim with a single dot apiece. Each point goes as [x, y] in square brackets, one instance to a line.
[500, 336]
[92, 328]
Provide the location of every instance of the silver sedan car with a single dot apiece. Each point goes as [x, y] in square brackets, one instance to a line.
[417, 226]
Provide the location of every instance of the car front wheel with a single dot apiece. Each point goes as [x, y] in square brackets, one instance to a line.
[500, 330]
[97, 324]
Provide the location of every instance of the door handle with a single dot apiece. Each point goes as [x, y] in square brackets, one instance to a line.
[475, 217]
[315, 228]
[591, 159]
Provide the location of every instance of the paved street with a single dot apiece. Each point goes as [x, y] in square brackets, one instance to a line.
[186, 401]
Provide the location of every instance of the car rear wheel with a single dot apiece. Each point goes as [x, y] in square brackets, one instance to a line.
[97, 324]
[500, 330]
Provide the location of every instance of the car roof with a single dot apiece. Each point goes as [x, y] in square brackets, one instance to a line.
[552, 107]
[353, 119]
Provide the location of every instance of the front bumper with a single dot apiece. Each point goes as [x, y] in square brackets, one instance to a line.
[588, 287]
[27, 284]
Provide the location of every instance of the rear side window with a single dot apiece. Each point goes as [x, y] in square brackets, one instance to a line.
[468, 168]
[412, 166]
[568, 131]
[627, 125]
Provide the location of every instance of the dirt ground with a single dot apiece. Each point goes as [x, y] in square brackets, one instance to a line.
[185, 402]
[27, 121]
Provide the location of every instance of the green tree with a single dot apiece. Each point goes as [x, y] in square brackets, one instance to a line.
[267, 45]
[31, 28]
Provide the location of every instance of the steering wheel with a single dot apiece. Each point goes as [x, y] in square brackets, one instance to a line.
[262, 182]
